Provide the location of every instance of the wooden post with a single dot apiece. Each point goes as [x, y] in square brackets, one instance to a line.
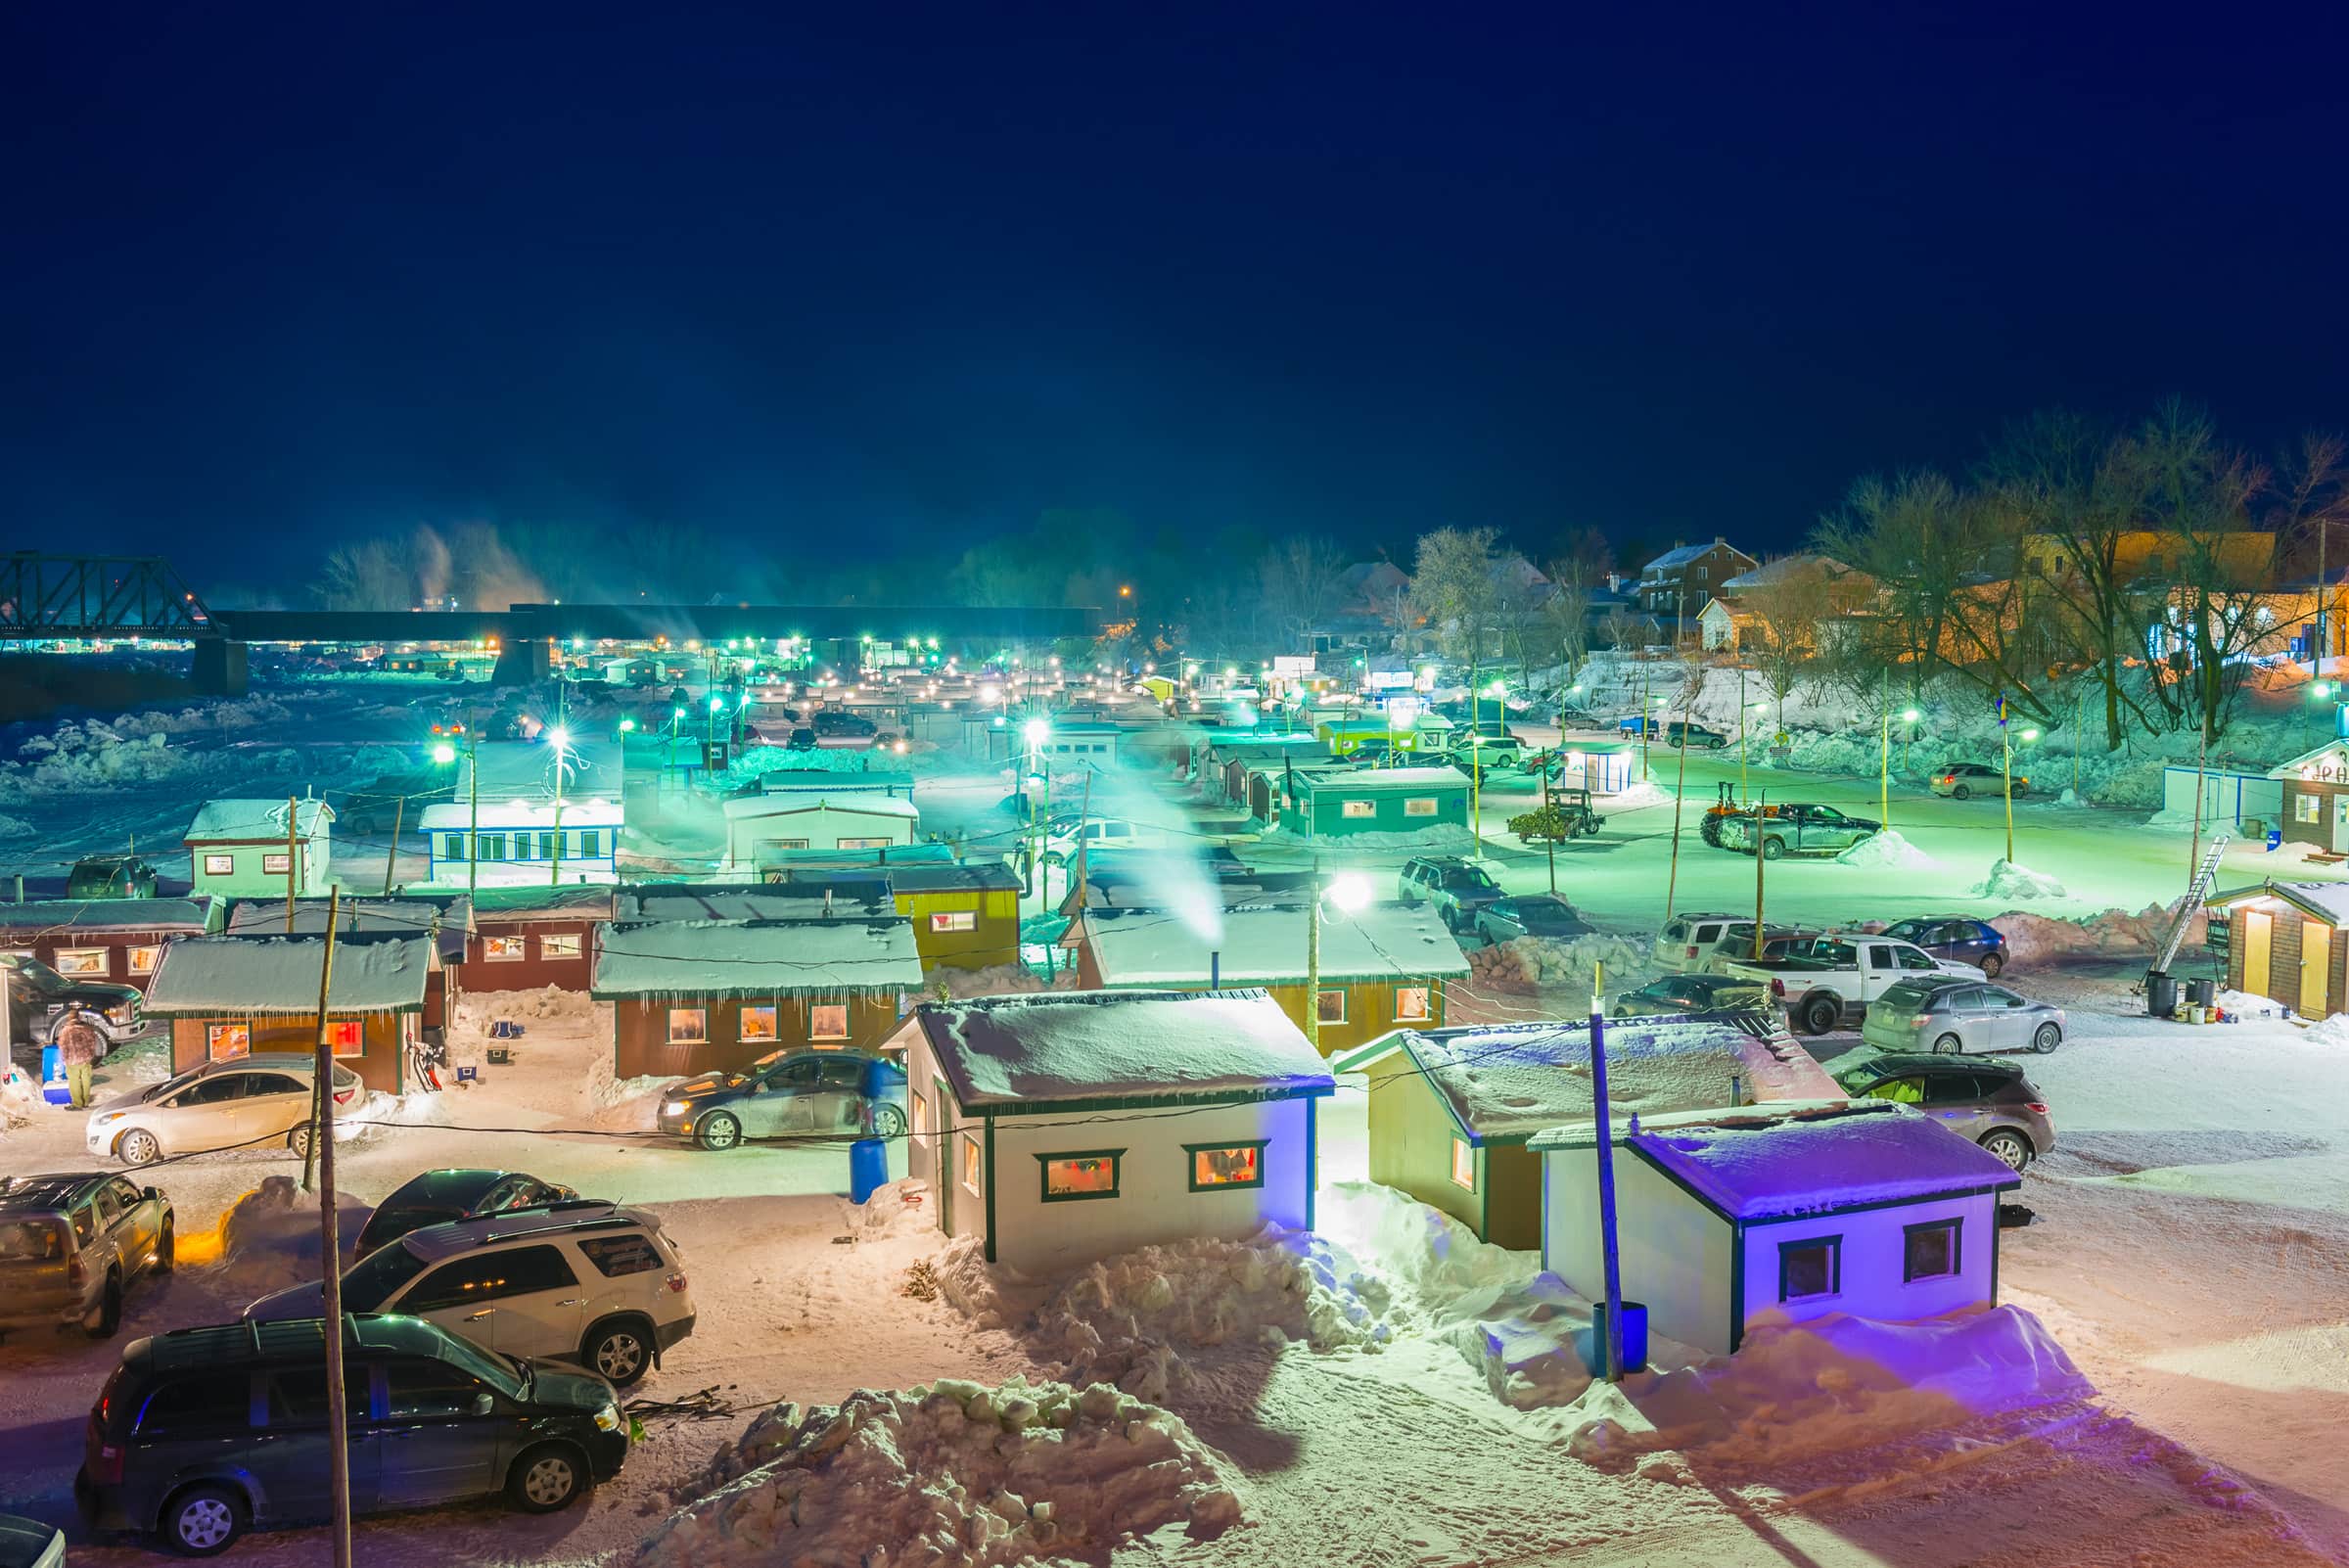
[1550, 842]
[1761, 854]
[1602, 1116]
[292, 837]
[320, 1104]
[322, 1149]
[473, 785]
[1313, 957]
[1680, 788]
[391, 850]
[1884, 757]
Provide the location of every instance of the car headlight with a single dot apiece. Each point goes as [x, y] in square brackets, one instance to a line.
[607, 1419]
[673, 1107]
[105, 1117]
[121, 1015]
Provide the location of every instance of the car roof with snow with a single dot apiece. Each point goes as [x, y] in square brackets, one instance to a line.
[1265, 945]
[1503, 1083]
[538, 1222]
[1027, 1053]
[1780, 1161]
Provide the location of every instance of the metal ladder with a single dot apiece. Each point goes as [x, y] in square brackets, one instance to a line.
[2190, 905]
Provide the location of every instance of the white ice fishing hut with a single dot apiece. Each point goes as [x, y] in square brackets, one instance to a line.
[1064, 1126]
[1725, 1216]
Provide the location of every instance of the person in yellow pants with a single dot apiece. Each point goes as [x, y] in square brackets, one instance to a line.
[79, 1044]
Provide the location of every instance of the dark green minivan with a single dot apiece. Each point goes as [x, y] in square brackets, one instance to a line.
[204, 1433]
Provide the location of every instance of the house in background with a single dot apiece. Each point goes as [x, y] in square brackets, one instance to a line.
[1042, 1122]
[530, 938]
[1451, 1110]
[1338, 804]
[520, 844]
[826, 781]
[446, 920]
[230, 997]
[2315, 800]
[701, 996]
[242, 849]
[1675, 585]
[2286, 940]
[759, 823]
[1789, 1211]
[119, 939]
[1382, 966]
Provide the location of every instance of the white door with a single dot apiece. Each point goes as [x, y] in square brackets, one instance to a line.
[2340, 823]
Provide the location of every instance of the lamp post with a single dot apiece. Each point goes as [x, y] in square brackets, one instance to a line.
[2007, 767]
[1036, 731]
[1348, 893]
[1884, 765]
[1476, 761]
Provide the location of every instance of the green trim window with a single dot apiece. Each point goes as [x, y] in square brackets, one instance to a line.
[591, 843]
[828, 1020]
[490, 847]
[1329, 1004]
[1215, 1167]
[688, 1026]
[1464, 1165]
[974, 1161]
[1810, 1267]
[452, 845]
[219, 866]
[1931, 1250]
[1081, 1175]
[1358, 808]
[1415, 1004]
[550, 846]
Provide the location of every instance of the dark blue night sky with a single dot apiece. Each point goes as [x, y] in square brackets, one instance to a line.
[817, 278]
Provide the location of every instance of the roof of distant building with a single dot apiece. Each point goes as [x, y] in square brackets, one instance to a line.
[1265, 945]
[276, 976]
[251, 821]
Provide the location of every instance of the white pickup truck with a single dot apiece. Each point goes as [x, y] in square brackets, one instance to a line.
[1829, 981]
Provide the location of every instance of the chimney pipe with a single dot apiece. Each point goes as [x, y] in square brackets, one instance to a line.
[1215, 971]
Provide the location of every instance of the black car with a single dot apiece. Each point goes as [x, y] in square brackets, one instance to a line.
[834, 722]
[204, 1433]
[437, 1197]
[38, 996]
[1537, 915]
[1677, 733]
[801, 739]
[1694, 993]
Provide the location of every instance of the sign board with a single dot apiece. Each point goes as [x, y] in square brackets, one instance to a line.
[1390, 680]
[713, 755]
[1292, 664]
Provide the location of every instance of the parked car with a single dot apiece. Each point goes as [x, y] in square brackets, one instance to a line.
[203, 1434]
[1830, 980]
[1679, 733]
[111, 876]
[1539, 914]
[1796, 829]
[795, 1091]
[1694, 993]
[1457, 888]
[1683, 942]
[1066, 835]
[38, 996]
[72, 1245]
[802, 739]
[30, 1544]
[1983, 1099]
[1964, 780]
[438, 1197]
[239, 1103]
[1967, 941]
[1736, 942]
[583, 1280]
[1946, 1016]
[837, 721]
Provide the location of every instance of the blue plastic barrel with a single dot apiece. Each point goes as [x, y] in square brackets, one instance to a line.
[1635, 1338]
[868, 1173]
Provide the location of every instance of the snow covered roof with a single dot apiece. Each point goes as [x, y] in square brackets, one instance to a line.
[755, 959]
[453, 916]
[1790, 565]
[2327, 901]
[591, 812]
[1766, 1164]
[108, 914]
[818, 780]
[566, 902]
[209, 977]
[241, 821]
[1504, 1084]
[2329, 762]
[970, 876]
[1385, 781]
[858, 896]
[1036, 1051]
[789, 804]
[1681, 555]
[1264, 944]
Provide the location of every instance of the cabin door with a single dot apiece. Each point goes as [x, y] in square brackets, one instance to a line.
[2259, 930]
[2316, 948]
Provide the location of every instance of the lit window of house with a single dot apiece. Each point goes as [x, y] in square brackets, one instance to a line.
[1227, 1165]
[80, 961]
[277, 864]
[955, 920]
[828, 1021]
[1329, 1006]
[144, 958]
[1810, 1267]
[219, 866]
[1464, 1165]
[1412, 1004]
[1419, 806]
[688, 1026]
[503, 949]
[347, 1038]
[1358, 808]
[560, 944]
[758, 1023]
[1091, 1174]
[224, 1041]
[972, 1162]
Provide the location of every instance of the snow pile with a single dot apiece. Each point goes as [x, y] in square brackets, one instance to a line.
[2008, 879]
[1549, 963]
[1125, 1320]
[477, 1010]
[268, 1237]
[953, 1473]
[13, 827]
[385, 1113]
[2329, 1031]
[1448, 839]
[2038, 939]
[1637, 797]
[2243, 1005]
[1833, 1383]
[995, 980]
[223, 716]
[1887, 852]
[20, 1098]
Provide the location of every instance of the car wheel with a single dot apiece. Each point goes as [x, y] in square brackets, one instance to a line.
[1948, 1045]
[107, 1316]
[1821, 1014]
[545, 1479]
[888, 1122]
[2046, 1038]
[299, 1141]
[204, 1521]
[2010, 1147]
[1964, 792]
[1992, 963]
[138, 1147]
[167, 1249]
[1773, 849]
[618, 1351]
[718, 1131]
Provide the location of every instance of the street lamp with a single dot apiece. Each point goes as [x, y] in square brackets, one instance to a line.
[1348, 893]
[1036, 732]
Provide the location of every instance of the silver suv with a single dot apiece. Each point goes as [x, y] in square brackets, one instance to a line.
[72, 1245]
[1981, 1098]
[1458, 888]
[582, 1279]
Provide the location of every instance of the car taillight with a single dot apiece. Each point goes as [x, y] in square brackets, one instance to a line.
[106, 1465]
[1692, 950]
[2035, 1107]
[1778, 988]
[1920, 1020]
[77, 1273]
[677, 1282]
[345, 1096]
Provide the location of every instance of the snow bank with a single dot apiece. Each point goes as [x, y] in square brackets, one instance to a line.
[2037, 939]
[92, 756]
[20, 1098]
[1888, 850]
[1639, 798]
[1548, 963]
[384, 1113]
[2243, 1004]
[477, 1010]
[1448, 839]
[1125, 1318]
[268, 1237]
[2008, 879]
[1832, 1383]
[953, 1473]
[997, 980]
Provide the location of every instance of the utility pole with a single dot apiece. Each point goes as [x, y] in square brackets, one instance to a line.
[1761, 857]
[2006, 771]
[1884, 755]
[292, 841]
[472, 787]
[330, 1249]
[391, 850]
[1679, 790]
[1744, 738]
[1313, 957]
[1602, 1115]
[1551, 839]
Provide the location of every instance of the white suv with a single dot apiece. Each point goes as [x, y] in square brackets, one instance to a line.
[582, 1279]
[242, 1102]
[1685, 939]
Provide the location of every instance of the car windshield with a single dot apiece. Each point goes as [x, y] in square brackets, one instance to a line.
[1906, 930]
[42, 977]
[407, 1217]
[172, 1085]
[1860, 1075]
[490, 1367]
[374, 1277]
[1910, 994]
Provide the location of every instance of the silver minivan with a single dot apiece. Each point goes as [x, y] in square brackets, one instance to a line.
[1947, 1015]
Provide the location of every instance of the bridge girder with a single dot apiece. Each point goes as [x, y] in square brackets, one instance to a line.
[97, 596]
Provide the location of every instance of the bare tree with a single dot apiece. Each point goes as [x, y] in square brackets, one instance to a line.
[1300, 578]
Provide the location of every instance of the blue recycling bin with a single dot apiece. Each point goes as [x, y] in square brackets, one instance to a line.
[53, 1079]
[868, 1168]
[1635, 1338]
